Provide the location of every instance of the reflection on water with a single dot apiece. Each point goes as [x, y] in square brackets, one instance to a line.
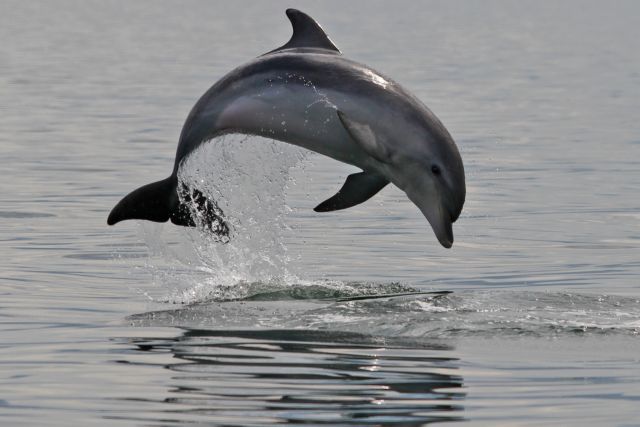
[311, 377]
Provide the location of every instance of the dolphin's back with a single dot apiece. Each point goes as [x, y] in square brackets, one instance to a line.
[292, 96]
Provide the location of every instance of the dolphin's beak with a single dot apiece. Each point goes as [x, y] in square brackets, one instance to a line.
[441, 225]
[439, 218]
[445, 237]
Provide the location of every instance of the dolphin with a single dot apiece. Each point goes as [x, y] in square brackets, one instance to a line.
[308, 94]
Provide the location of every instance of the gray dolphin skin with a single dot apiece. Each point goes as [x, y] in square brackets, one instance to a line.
[308, 94]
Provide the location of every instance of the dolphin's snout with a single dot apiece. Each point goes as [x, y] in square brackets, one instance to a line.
[446, 236]
[437, 212]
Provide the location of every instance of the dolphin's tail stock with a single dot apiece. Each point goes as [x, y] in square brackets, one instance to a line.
[159, 202]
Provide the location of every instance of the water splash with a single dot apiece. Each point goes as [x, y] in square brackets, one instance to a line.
[245, 179]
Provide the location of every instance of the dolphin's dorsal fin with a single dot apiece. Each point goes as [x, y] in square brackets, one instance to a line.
[307, 33]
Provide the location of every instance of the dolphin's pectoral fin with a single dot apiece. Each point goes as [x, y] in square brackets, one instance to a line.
[358, 188]
[307, 33]
[364, 136]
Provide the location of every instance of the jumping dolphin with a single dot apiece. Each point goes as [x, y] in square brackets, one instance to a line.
[308, 94]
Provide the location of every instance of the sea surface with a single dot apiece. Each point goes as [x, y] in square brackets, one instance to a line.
[357, 317]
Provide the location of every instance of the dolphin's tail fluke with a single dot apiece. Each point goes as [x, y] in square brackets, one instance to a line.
[159, 202]
[153, 202]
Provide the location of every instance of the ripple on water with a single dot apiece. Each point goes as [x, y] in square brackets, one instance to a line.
[19, 214]
[352, 307]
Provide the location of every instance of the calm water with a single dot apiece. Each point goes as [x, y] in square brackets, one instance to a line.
[304, 318]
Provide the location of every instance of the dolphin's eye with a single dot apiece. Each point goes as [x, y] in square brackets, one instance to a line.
[435, 169]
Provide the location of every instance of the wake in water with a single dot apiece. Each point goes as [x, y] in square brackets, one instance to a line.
[437, 315]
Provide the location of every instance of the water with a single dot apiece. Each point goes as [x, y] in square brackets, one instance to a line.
[348, 318]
